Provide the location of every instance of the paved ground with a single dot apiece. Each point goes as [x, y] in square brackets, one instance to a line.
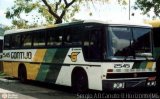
[33, 90]
[13, 89]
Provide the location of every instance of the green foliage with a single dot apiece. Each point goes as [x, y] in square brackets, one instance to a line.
[122, 2]
[8, 27]
[58, 7]
[53, 11]
[19, 7]
[2, 74]
[147, 5]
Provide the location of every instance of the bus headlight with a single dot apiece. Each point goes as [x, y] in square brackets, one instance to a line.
[114, 85]
[121, 85]
[148, 84]
[151, 83]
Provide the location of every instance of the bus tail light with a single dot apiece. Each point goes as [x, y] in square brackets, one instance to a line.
[151, 78]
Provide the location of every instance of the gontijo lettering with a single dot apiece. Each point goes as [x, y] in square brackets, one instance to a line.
[18, 55]
[21, 55]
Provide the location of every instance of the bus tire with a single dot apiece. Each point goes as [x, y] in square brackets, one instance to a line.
[79, 81]
[22, 74]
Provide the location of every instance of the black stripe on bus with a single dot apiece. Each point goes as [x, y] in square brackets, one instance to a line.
[130, 75]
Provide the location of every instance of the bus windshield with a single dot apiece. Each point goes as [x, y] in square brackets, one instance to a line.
[127, 41]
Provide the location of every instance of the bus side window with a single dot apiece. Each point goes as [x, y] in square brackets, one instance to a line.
[39, 38]
[72, 37]
[95, 44]
[7, 41]
[76, 36]
[58, 37]
[26, 40]
[15, 41]
[67, 37]
[50, 38]
[54, 38]
[92, 44]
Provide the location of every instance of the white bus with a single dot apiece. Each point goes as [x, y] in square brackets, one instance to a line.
[85, 55]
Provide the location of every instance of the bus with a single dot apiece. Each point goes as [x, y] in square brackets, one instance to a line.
[84, 55]
[156, 39]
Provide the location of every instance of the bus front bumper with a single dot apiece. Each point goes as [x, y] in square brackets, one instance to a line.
[121, 84]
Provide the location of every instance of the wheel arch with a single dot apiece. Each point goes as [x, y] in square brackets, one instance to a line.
[78, 69]
[20, 67]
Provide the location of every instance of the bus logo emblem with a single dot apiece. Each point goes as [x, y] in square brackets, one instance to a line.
[73, 56]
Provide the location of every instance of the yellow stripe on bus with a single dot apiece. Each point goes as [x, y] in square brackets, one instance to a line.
[33, 69]
[150, 65]
[39, 55]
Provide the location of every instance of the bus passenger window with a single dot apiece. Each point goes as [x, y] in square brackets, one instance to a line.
[58, 38]
[95, 45]
[15, 41]
[39, 39]
[92, 44]
[72, 37]
[18, 41]
[7, 42]
[26, 40]
[76, 36]
[67, 38]
[54, 38]
[50, 38]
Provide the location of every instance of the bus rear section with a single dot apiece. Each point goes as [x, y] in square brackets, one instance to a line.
[85, 55]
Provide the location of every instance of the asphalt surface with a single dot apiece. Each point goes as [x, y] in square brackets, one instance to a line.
[13, 89]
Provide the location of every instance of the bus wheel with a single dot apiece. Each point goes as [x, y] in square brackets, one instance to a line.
[79, 81]
[22, 74]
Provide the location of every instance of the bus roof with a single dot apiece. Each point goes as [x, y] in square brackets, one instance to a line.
[128, 23]
[154, 23]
